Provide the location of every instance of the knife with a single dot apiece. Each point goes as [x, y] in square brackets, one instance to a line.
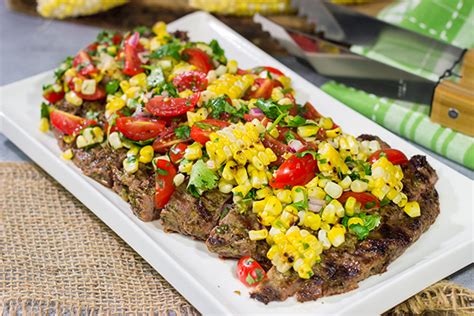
[452, 103]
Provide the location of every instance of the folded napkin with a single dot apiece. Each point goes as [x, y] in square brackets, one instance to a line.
[451, 21]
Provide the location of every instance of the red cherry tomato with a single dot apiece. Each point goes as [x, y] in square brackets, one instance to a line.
[67, 123]
[295, 171]
[99, 94]
[132, 61]
[166, 140]
[271, 70]
[116, 39]
[168, 107]
[242, 71]
[249, 271]
[278, 148]
[52, 97]
[139, 129]
[193, 80]
[262, 88]
[198, 58]
[83, 63]
[165, 172]
[393, 155]
[201, 130]
[304, 42]
[367, 200]
[92, 47]
[177, 152]
[309, 112]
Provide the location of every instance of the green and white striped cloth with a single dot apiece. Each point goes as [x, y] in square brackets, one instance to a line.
[448, 20]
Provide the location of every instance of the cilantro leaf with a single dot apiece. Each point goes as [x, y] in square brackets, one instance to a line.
[296, 121]
[44, 110]
[112, 86]
[142, 30]
[65, 65]
[271, 109]
[217, 52]
[182, 132]
[289, 136]
[220, 105]
[360, 231]
[372, 221]
[306, 152]
[201, 179]
[172, 49]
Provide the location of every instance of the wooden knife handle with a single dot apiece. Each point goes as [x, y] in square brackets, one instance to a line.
[467, 71]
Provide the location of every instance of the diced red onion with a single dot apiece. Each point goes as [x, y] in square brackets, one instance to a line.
[295, 144]
[255, 112]
[142, 56]
[315, 205]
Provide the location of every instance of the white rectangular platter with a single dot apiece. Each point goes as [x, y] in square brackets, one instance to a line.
[208, 282]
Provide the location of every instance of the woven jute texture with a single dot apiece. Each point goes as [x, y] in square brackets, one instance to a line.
[57, 258]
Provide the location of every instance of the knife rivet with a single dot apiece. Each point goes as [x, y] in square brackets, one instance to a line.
[453, 113]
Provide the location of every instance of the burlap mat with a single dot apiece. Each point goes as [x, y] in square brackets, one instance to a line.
[58, 258]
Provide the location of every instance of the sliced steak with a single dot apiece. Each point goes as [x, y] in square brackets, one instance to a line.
[230, 239]
[342, 268]
[368, 137]
[193, 217]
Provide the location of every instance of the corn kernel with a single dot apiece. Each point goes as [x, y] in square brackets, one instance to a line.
[326, 122]
[273, 206]
[284, 196]
[67, 154]
[336, 235]
[412, 209]
[73, 98]
[88, 87]
[193, 151]
[114, 140]
[359, 186]
[355, 221]
[225, 186]
[44, 125]
[138, 80]
[307, 131]
[351, 206]
[130, 164]
[258, 234]
[146, 154]
[333, 190]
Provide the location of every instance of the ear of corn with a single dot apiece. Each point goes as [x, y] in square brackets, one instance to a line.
[71, 8]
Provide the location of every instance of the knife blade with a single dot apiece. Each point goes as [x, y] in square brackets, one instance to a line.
[339, 63]
[344, 25]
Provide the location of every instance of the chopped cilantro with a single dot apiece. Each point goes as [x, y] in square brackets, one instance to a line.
[271, 109]
[370, 204]
[44, 110]
[289, 136]
[161, 172]
[307, 152]
[65, 65]
[296, 121]
[217, 52]
[220, 105]
[360, 231]
[172, 49]
[112, 86]
[182, 132]
[202, 179]
[370, 223]
[384, 202]
[170, 88]
[142, 30]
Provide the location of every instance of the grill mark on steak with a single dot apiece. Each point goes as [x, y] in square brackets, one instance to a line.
[342, 268]
[234, 241]
[193, 217]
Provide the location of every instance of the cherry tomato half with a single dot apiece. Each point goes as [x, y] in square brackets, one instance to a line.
[366, 199]
[309, 112]
[67, 123]
[177, 152]
[193, 80]
[139, 129]
[198, 58]
[271, 70]
[249, 271]
[295, 171]
[52, 97]
[201, 130]
[278, 148]
[165, 172]
[262, 88]
[166, 140]
[99, 94]
[168, 107]
[132, 61]
[395, 156]
[83, 63]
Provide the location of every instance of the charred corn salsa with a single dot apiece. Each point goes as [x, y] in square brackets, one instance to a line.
[199, 119]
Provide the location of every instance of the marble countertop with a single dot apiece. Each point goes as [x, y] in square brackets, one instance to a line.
[31, 45]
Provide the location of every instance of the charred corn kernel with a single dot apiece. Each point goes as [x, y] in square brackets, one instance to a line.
[130, 164]
[44, 125]
[88, 86]
[124, 85]
[73, 98]
[359, 186]
[178, 179]
[310, 220]
[346, 182]
[336, 235]
[277, 94]
[81, 141]
[258, 234]
[412, 209]
[330, 159]
[193, 151]
[242, 189]
[232, 85]
[333, 133]
[185, 166]
[285, 81]
[307, 130]
[114, 104]
[146, 154]
[333, 190]
[229, 171]
[316, 193]
[350, 206]
[273, 206]
[240, 158]
[138, 80]
[232, 66]
[257, 163]
[284, 196]
[225, 186]
[355, 221]
[288, 218]
[67, 154]
[258, 179]
[326, 123]
[115, 141]
[270, 154]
